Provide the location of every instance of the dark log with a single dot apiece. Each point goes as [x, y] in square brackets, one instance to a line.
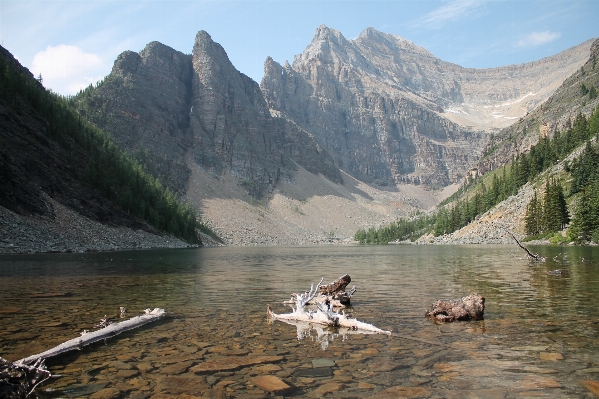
[20, 380]
[336, 286]
[332, 294]
[471, 307]
[530, 255]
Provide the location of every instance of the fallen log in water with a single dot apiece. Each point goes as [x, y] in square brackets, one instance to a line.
[332, 294]
[323, 314]
[86, 338]
[19, 379]
[531, 256]
[471, 307]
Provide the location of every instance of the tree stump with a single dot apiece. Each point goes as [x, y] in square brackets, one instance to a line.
[471, 307]
[336, 286]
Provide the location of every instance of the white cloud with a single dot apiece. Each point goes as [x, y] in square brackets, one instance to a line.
[67, 69]
[538, 38]
[453, 11]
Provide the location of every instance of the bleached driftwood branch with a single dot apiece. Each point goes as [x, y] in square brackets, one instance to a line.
[333, 293]
[323, 335]
[19, 379]
[86, 338]
[323, 315]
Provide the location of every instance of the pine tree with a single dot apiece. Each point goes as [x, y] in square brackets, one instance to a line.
[534, 215]
[555, 212]
[582, 225]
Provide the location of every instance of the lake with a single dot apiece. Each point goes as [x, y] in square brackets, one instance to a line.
[539, 337]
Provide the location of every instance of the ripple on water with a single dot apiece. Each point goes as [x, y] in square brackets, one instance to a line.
[540, 336]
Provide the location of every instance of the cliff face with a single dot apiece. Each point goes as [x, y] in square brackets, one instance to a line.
[161, 104]
[144, 103]
[556, 113]
[390, 112]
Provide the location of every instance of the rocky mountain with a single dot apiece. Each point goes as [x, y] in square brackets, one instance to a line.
[355, 133]
[390, 112]
[572, 97]
[45, 201]
[167, 107]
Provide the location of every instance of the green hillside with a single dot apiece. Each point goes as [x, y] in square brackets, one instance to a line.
[109, 171]
[574, 196]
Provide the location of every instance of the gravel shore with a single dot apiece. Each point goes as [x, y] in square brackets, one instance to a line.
[71, 232]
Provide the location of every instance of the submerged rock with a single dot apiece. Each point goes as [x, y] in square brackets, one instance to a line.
[471, 307]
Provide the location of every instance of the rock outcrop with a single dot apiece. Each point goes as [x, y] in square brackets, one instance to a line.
[390, 112]
[46, 205]
[556, 113]
[144, 103]
[161, 104]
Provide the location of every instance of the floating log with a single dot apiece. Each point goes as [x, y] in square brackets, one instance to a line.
[19, 379]
[332, 294]
[336, 286]
[323, 315]
[535, 257]
[471, 307]
[109, 330]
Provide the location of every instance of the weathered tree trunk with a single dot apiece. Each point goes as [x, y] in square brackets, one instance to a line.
[323, 315]
[471, 307]
[87, 338]
[19, 379]
[336, 286]
[332, 294]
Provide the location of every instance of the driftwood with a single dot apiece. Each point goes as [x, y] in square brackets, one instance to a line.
[332, 294]
[19, 379]
[336, 286]
[471, 307]
[323, 315]
[530, 255]
[107, 330]
[323, 335]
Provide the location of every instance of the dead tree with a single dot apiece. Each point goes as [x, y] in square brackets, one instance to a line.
[108, 330]
[530, 255]
[471, 307]
[333, 293]
[323, 314]
[19, 379]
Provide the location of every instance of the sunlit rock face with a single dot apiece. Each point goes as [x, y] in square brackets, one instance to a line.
[167, 107]
[389, 112]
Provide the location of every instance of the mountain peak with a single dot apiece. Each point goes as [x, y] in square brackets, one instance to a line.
[206, 49]
[369, 32]
[203, 36]
[323, 32]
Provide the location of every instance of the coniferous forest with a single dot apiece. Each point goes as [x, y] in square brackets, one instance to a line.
[109, 170]
[547, 213]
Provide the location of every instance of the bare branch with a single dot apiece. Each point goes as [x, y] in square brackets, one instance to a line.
[530, 255]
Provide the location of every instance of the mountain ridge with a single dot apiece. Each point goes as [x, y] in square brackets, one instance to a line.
[324, 135]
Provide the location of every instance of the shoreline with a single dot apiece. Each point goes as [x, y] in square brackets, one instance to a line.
[70, 232]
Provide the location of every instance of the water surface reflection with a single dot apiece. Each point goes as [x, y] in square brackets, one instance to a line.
[540, 336]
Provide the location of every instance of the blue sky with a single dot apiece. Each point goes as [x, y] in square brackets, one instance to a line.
[74, 43]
